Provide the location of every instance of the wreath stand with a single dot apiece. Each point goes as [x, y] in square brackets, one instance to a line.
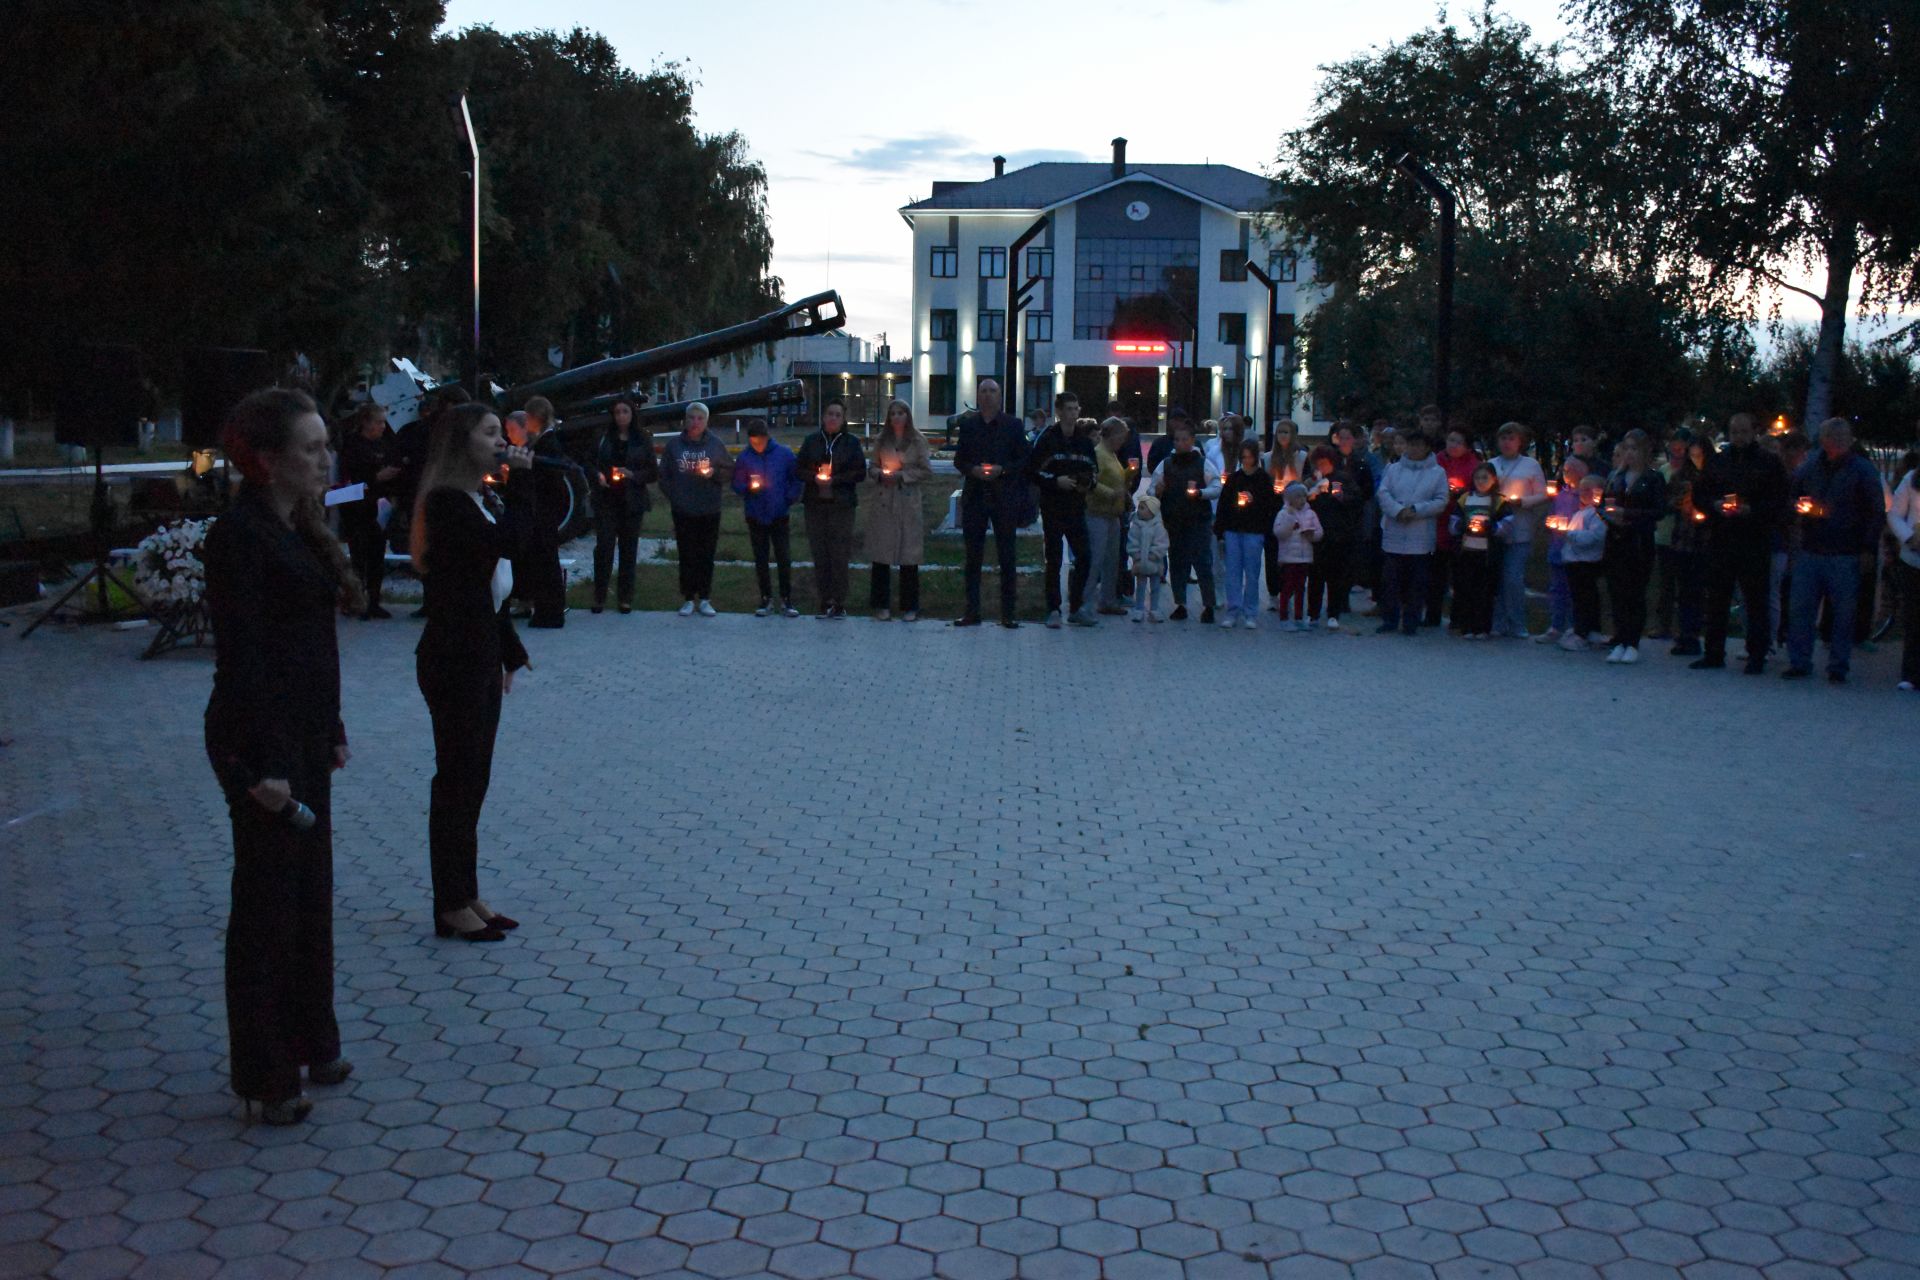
[186, 627]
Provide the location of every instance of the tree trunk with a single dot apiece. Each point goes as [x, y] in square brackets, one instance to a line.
[1843, 251]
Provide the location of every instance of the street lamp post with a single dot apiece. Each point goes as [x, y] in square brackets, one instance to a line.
[1016, 303]
[470, 366]
[1273, 317]
[1443, 321]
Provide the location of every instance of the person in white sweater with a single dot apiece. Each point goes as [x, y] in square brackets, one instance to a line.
[1295, 529]
[1584, 545]
[1412, 495]
[1524, 485]
[1903, 522]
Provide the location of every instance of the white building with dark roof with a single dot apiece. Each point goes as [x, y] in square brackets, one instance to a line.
[1133, 263]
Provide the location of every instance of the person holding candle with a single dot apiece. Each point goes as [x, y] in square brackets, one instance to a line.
[1482, 512]
[1458, 460]
[1286, 464]
[275, 576]
[693, 472]
[1107, 503]
[1685, 552]
[1243, 522]
[545, 587]
[1062, 468]
[1840, 506]
[1295, 529]
[368, 456]
[464, 539]
[767, 476]
[896, 519]
[1524, 486]
[1147, 547]
[624, 465]
[1186, 484]
[1412, 497]
[1636, 497]
[1903, 523]
[832, 464]
[1583, 546]
[1559, 586]
[1340, 501]
[1742, 490]
[992, 457]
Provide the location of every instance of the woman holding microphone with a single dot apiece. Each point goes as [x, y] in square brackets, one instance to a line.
[464, 540]
[275, 578]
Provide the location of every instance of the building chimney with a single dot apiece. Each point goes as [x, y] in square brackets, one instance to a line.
[1119, 157]
[999, 166]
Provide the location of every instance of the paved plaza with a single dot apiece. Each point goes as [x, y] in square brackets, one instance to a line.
[900, 951]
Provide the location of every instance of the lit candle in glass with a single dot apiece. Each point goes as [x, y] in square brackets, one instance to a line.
[704, 466]
[1333, 487]
[1243, 498]
[825, 474]
[1808, 507]
[1553, 488]
[1477, 525]
[1279, 487]
[1193, 488]
[619, 475]
[753, 482]
[986, 469]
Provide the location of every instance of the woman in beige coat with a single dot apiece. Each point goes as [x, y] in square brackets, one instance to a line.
[896, 521]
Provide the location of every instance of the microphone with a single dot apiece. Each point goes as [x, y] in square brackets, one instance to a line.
[297, 815]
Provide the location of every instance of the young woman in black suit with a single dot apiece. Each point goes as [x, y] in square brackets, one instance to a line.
[275, 578]
[464, 539]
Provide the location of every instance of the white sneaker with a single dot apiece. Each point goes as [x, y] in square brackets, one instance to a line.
[1549, 636]
[1226, 619]
[1596, 638]
[707, 610]
[1154, 617]
[1574, 644]
[1138, 615]
[1053, 620]
[1629, 655]
[1613, 654]
[1333, 624]
[1905, 686]
[686, 610]
[1249, 623]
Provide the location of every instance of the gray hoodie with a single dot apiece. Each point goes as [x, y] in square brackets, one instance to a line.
[688, 492]
[1419, 487]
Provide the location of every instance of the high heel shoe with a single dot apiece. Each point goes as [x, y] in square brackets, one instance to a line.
[493, 919]
[329, 1072]
[466, 926]
[287, 1111]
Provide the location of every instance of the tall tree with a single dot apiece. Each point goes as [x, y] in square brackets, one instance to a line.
[1775, 135]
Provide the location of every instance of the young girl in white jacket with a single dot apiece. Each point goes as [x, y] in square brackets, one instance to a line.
[1147, 547]
[1295, 529]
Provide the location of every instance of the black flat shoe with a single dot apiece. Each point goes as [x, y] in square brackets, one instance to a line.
[329, 1072]
[599, 608]
[486, 933]
[969, 621]
[626, 608]
[492, 919]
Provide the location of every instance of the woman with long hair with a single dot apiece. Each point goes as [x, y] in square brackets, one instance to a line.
[896, 520]
[464, 542]
[275, 578]
[623, 469]
[1636, 497]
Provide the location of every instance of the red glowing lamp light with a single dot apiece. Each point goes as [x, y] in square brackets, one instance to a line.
[1139, 348]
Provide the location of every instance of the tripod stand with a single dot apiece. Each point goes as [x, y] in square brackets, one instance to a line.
[100, 520]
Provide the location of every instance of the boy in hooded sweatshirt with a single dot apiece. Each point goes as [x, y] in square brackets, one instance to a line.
[1561, 507]
[1295, 529]
[1583, 544]
[1147, 546]
[1412, 495]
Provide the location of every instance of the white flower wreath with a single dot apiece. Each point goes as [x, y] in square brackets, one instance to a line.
[167, 569]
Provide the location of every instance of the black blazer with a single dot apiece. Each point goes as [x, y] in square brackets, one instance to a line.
[276, 673]
[463, 627]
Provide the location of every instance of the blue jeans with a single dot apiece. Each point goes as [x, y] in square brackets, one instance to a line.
[1559, 596]
[1246, 557]
[1403, 591]
[1838, 579]
[1510, 599]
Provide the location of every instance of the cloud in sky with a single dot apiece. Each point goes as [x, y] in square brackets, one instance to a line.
[936, 151]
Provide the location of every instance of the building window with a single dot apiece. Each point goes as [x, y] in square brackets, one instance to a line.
[1233, 395]
[1097, 271]
[709, 388]
[1233, 328]
[663, 389]
[993, 326]
[1039, 326]
[944, 263]
[1284, 265]
[993, 264]
[1040, 264]
[941, 325]
[1137, 271]
[939, 395]
[1120, 283]
[1233, 266]
[1039, 393]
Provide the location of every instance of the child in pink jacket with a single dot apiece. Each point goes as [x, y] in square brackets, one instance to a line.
[1295, 529]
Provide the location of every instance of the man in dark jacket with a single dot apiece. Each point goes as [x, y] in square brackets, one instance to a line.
[832, 464]
[1743, 494]
[1840, 506]
[1061, 467]
[367, 456]
[1187, 484]
[1342, 513]
[992, 456]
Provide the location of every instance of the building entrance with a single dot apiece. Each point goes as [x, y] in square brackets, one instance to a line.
[1139, 398]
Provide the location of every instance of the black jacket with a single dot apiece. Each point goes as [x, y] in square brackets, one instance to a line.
[463, 627]
[1638, 506]
[1262, 504]
[1001, 442]
[1177, 510]
[1759, 480]
[276, 672]
[1851, 505]
[636, 457]
[361, 460]
[1343, 514]
[1054, 457]
[849, 463]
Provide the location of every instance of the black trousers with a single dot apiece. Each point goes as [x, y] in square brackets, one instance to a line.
[1629, 566]
[1439, 577]
[973, 534]
[775, 537]
[366, 549]
[280, 936]
[1750, 569]
[1403, 589]
[1583, 582]
[880, 588]
[615, 528]
[696, 537]
[1190, 554]
[1064, 531]
[830, 542]
[546, 584]
[1331, 575]
[464, 700]
[1475, 574]
[1909, 578]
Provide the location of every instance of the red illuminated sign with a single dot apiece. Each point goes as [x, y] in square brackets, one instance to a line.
[1140, 348]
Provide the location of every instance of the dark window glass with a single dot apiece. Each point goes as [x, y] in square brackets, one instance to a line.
[1040, 264]
[1233, 328]
[944, 263]
[940, 394]
[1137, 271]
[940, 325]
[1233, 395]
[1233, 266]
[1039, 326]
[993, 326]
[1284, 265]
[993, 264]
